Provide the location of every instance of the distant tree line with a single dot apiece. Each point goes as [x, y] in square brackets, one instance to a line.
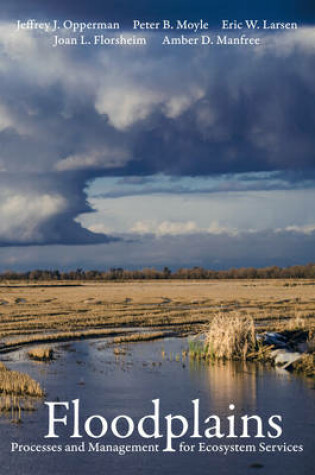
[273, 272]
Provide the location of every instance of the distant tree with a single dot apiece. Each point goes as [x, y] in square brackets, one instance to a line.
[167, 273]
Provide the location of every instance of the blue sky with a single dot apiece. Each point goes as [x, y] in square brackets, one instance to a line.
[157, 156]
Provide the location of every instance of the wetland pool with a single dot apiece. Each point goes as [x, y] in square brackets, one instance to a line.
[111, 385]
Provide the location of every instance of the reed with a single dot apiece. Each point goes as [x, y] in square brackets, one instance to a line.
[198, 350]
[119, 351]
[306, 365]
[41, 354]
[141, 337]
[230, 337]
[298, 322]
[19, 384]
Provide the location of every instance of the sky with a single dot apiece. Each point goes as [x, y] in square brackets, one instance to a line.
[152, 155]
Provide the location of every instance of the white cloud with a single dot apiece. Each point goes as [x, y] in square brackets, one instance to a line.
[302, 229]
[124, 107]
[175, 105]
[173, 228]
[22, 215]
[283, 43]
[100, 228]
[105, 158]
[217, 228]
[164, 228]
[129, 104]
[5, 119]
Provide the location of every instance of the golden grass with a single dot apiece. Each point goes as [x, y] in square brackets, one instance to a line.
[19, 384]
[58, 337]
[140, 337]
[297, 322]
[231, 337]
[119, 351]
[305, 365]
[44, 314]
[41, 354]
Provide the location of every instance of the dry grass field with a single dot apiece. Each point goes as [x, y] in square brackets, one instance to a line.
[32, 314]
[47, 312]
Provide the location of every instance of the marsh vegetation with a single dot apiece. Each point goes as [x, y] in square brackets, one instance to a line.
[231, 337]
[41, 354]
[234, 337]
[18, 384]
[147, 310]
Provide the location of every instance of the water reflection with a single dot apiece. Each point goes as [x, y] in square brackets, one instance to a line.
[232, 382]
[12, 407]
[127, 383]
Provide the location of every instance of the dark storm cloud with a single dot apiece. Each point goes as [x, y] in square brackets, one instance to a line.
[173, 185]
[67, 117]
[209, 251]
[262, 115]
[125, 10]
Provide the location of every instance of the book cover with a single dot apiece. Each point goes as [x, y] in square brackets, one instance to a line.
[157, 237]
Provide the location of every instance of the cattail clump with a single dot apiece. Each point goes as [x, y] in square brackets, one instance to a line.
[41, 354]
[20, 384]
[231, 336]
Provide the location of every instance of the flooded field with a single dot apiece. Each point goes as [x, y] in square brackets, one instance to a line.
[93, 337]
[59, 312]
[126, 383]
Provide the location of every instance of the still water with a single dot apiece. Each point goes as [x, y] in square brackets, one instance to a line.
[112, 385]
